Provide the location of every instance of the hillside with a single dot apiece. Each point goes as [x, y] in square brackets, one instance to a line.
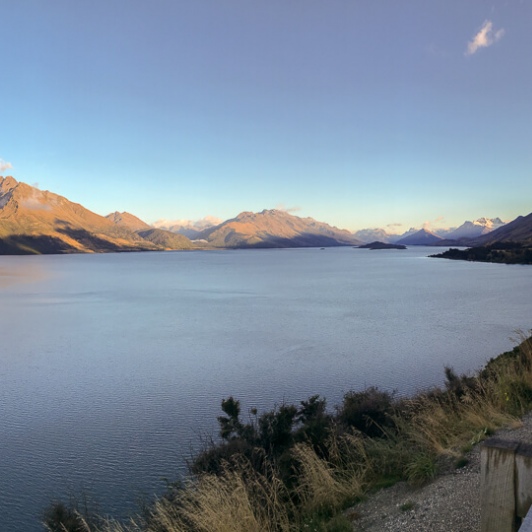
[166, 239]
[34, 222]
[275, 228]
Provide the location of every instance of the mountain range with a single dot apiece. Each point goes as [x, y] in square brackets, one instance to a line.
[35, 221]
[467, 230]
[519, 231]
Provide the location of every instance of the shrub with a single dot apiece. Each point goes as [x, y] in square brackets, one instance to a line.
[368, 411]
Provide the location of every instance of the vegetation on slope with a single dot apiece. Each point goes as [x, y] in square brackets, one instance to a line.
[500, 252]
[298, 467]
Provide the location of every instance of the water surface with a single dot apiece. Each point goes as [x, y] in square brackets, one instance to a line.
[113, 365]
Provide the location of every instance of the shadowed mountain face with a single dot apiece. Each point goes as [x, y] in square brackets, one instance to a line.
[35, 221]
[274, 228]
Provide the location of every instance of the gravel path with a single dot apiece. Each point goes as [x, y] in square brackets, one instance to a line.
[450, 503]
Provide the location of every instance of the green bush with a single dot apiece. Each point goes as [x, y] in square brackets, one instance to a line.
[368, 411]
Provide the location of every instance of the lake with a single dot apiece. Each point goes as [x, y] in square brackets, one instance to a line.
[113, 366]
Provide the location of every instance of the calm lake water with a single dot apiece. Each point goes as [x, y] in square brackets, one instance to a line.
[112, 366]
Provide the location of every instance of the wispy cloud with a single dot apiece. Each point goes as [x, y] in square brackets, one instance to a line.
[4, 165]
[429, 224]
[36, 202]
[485, 37]
[282, 207]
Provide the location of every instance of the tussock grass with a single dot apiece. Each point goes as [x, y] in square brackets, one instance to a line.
[308, 474]
[239, 500]
[324, 486]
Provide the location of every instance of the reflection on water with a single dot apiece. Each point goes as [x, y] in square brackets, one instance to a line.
[20, 273]
[112, 366]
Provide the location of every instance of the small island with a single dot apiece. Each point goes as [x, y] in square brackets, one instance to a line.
[382, 245]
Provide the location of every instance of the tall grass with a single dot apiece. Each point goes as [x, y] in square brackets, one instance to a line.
[328, 475]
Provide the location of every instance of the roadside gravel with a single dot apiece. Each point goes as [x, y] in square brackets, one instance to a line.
[449, 503]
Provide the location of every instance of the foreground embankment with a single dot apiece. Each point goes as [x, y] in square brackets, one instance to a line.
[300, 467]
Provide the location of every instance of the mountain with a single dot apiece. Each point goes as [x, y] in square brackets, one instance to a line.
[275, 228]
[160, 237]
[166, 239]
[395, 238]
[475, 229]
[125, 219]
[422, 237]
[374, 234]
[34, 222]
[519, 230]
[189, 228]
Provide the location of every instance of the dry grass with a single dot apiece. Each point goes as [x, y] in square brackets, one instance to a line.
[240, 500]
[324, 486]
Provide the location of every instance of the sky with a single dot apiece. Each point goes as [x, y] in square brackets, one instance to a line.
[358, 113]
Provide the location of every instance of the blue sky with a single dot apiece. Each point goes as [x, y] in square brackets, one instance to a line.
[358, 113]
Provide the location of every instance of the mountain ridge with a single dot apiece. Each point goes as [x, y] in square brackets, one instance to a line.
[33, 221]
[275, 228]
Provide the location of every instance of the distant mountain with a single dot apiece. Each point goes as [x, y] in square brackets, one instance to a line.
[125, 219]
[395, 238]
[509, 244]
[275, 228]
[475, 229]
[34, 222]
[519, 230]
[374, 234]
[166, 239]
[422, 237]
[188, 228]
[160, 237]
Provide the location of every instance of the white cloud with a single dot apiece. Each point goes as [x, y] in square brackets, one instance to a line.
[4, 165]
[484, 38]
